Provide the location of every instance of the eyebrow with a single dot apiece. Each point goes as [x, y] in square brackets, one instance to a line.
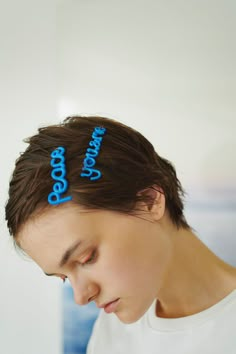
[66, 256]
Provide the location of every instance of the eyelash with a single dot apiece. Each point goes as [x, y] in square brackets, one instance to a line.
[89, 261]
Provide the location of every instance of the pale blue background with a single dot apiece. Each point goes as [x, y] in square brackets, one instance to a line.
[77, 322]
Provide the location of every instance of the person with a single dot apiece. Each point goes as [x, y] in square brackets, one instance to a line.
[91, 201]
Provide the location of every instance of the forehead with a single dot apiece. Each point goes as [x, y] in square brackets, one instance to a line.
[46, 237]
[48, 234]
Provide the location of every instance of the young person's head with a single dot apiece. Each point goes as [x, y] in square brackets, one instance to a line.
[97, 187]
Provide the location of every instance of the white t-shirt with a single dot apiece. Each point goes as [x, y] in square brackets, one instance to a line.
[212, 331]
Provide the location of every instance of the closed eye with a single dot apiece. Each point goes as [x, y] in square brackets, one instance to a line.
[91, 259]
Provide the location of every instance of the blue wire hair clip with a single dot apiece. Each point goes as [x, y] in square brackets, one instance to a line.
[91, 154]
[59, 175]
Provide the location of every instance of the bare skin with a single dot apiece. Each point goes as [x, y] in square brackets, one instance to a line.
[139, 259]
[197, 279]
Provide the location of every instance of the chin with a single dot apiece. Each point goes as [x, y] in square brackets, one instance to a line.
[128, 318]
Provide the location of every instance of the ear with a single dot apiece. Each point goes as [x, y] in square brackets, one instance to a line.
[156, 206]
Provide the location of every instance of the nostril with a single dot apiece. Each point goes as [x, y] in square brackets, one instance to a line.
[83, 300]
[91, 298]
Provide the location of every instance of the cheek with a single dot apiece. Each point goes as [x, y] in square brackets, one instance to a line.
[114, 269]
[144, 270]
[123, 272]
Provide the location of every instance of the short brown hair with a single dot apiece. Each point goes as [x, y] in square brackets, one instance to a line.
[127, 160]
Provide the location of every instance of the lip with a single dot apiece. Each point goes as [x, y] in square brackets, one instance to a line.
[110, 306]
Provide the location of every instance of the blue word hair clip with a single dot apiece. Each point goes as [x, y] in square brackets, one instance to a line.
[58, 174]
[91, 154]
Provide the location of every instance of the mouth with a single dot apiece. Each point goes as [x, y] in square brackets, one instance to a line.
[110, 306]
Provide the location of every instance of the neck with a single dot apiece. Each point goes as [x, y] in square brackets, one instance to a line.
[196, 278]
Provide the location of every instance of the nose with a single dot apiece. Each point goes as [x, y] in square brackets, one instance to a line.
[84, 291]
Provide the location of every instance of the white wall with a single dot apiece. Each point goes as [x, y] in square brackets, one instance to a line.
[167, 67]
[30, 315]
[164, 67]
